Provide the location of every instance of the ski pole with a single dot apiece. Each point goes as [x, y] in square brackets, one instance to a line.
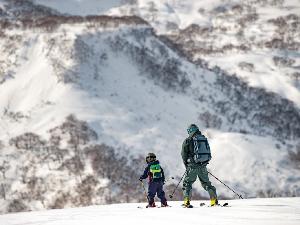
[145, 193]
[240, 196]
[171, 195]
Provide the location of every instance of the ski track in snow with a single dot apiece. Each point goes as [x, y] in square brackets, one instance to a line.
[247, 211]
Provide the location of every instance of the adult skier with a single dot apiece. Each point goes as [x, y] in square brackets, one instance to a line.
[196, 155]
[156, 180]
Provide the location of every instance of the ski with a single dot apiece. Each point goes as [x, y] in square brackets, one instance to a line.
[219, 205]
[158, 207]
[145, 207]
[188, 207]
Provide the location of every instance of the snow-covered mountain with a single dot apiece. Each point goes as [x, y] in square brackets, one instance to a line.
[258, 40]
[83, 98]
[276, 211]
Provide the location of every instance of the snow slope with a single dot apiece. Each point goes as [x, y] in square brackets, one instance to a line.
[243, 212]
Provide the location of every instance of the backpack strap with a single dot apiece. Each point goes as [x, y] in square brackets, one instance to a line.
[190, 143]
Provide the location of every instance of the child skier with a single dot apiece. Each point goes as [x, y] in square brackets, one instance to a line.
[156, 177]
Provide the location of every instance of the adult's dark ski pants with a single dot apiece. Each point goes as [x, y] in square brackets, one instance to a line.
[193, 172]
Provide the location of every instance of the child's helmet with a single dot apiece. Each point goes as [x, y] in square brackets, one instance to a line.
[151, 157]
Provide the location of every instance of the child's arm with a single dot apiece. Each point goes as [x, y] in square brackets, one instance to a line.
[145, 174]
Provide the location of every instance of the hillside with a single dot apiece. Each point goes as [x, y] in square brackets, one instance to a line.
[257, 40]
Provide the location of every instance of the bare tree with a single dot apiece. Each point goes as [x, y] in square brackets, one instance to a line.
[3, 168]
[28, 141]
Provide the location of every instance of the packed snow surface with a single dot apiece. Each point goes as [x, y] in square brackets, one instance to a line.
[247, 211]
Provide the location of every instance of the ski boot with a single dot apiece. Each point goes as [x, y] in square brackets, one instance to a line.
[186, 203]
[151, 205]
[164, 204]
[214, 202]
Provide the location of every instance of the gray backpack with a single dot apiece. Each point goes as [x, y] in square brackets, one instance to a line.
[201, 149]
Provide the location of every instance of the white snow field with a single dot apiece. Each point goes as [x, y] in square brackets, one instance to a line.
[283, 211]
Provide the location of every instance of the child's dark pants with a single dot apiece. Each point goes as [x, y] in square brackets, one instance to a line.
[156, 187]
